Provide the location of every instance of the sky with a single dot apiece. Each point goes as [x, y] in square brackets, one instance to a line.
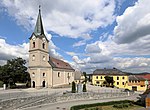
[88, 34]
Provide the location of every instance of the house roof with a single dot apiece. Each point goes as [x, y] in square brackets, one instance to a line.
[136, 78]
[105, 71]
[77, 75]
[56, 63]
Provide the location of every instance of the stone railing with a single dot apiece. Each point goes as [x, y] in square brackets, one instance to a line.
[21, 103]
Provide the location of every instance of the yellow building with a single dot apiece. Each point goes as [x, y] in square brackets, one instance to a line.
[120, 78]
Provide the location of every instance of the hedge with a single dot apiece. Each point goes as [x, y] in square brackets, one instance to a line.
[77, 107]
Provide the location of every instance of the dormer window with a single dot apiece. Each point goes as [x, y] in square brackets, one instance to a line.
[43, 45]
[33, 44]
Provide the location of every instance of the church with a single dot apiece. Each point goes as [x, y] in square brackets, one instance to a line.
[44, 70]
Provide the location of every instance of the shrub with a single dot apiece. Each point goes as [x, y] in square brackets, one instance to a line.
[84, 88]
[73, 87]
[78, 107]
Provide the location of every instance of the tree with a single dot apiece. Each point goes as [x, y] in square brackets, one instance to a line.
[109, 80]
[14, 71]
[73, 87]
[84, 88]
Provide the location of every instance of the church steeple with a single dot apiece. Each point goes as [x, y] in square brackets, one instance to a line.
[39, 26]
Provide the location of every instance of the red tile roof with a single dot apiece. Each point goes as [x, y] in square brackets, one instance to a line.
[56, 63]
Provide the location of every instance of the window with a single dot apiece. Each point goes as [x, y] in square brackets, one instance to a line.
[33, 74]
[33, 57]
[122, 83]
[44, 74]
[117, 83]
[58, 74]
[101, 77]
[43, 45]
[44, 58]
[97, 82]
[96, 77]
[123, 77]
[68, 74]
[117, 78]
[33, 44]
[142, 86]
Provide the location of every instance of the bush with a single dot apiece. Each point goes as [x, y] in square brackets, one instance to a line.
[73, 87]
[84, 88]
[78, 107]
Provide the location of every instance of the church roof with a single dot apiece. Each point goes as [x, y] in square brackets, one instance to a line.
[38, 30]
[56, 63]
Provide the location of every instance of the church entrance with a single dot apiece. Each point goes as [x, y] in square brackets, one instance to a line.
[43, 84]
[33, 84]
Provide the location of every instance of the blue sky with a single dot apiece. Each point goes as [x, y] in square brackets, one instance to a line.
[95, 34]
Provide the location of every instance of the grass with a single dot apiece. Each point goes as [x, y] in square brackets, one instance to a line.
[113, 105]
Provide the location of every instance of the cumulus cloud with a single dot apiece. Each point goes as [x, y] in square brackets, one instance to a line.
[93, 48]
[8, 51]
[134, 23]
[71, 20]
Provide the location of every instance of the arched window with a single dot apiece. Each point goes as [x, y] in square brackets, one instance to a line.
[44, 74]
[43, 45]
[33, 44]
[58, 74]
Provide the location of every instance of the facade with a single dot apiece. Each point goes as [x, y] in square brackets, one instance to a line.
[120, 78]
[78, 77]
[136, 83]
[46, 71]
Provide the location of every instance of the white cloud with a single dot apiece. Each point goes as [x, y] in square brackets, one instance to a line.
[134, 23]
[66, 18]
[8, 51]
[93, 48]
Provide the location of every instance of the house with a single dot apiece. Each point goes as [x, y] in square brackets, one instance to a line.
[136, 83]
[120, 78]
[44, 70]
[78, 77]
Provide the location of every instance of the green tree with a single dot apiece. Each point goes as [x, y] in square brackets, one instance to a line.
[14, 71]
[73, 87]
[109, 80]
[84, 88]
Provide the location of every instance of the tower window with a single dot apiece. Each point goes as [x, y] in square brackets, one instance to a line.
[58, 74]
[44, 74]
[43, 45]
[33, 57]
[33, 44]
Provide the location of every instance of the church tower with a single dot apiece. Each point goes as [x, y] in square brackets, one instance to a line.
[39, 68]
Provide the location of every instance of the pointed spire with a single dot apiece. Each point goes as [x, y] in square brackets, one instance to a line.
[39, 26]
